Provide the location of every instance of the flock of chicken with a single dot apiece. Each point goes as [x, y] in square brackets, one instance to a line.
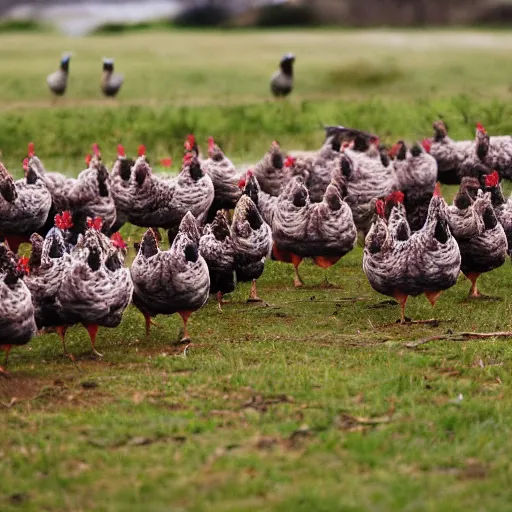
[288, 207]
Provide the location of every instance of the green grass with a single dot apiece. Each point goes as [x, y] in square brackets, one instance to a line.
[312, 402]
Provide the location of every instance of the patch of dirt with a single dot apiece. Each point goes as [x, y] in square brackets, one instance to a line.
[261, 403]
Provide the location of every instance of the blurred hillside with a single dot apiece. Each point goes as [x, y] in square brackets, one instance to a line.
[81, 16]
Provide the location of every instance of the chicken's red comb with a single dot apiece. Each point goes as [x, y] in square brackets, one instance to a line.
[249, 174]
[480, 128]
[120, 150]
[31, 149]
[374, 139]
[394, 149]
[142, 150]
[492, 180]
[96, 149]
[290, 161]
[379, 208]
[191, 140]
[241, 183]
[25, 164]
[64, 220]
[396, 197]
[166, 162]
[88, 159]
[187, 158]
[117, 241]
[96, 223]
[211, 142]
[437, 190]
[427, 145]
[22, 265]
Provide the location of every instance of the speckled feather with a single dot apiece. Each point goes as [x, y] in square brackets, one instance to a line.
[166, 282]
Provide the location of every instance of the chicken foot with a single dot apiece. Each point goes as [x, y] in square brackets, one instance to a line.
[473, 292]
[61, 330]
[149, 323]
[253, 295]
[185, 315]
[220, 301]
[296, 261]
[92, 329]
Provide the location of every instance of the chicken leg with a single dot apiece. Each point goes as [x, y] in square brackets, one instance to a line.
[402, 300]
[185, 315]
[296, 261]
[220, 301]
[149, 323]
[253, 295]
[7, 349]
[92, 329]
[61, 329]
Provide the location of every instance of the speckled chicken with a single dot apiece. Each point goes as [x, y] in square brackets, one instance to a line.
[224, 178]
[216, 247]
[96, 288]
[17, 324]
[86, 196]
[465, 215]
[448, 153]
[160, 202]
[252, 243]
[24, 205]
[485, 251]
[426, 262]
[369, 179]
[502, 207]
[265, 203]
[416, 175]
[316, 168]
[172, 281]
[269, 170]
[120, 175]
[48, 263]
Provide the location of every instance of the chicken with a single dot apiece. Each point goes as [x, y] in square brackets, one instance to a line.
[58, 81]
[448, 153]
[86, 196]
[317, 168]
[24, 205]
[224, 178]
[96, 288]
[269, 170]
[369, 179]
[120, 186]
[48, 263]
[17, 324]
[265, 203]
[428, 261]
[252, 243]
[216, 247]
[485, 251]
[281, 83]
[159, 202]
[502, 207]
[323, 231]
[172, 281]
[110, 82]
[465, 215]
[416, 175]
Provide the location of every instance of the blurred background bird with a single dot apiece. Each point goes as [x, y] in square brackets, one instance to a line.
[281, 83]
[110, 82]
[58, 80]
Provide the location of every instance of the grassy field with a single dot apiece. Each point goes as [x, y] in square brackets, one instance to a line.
[313, 401]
